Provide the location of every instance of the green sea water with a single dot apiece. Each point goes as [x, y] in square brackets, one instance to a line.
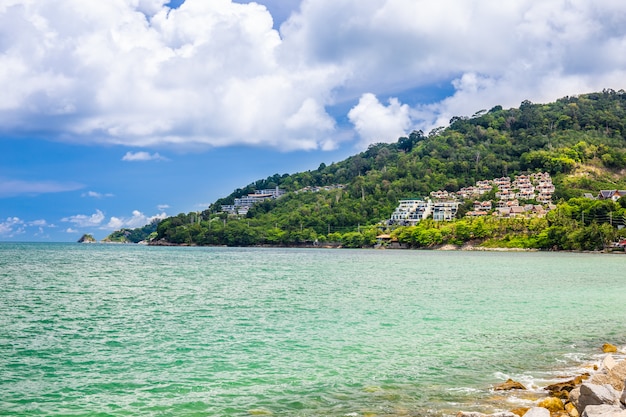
[117, 330]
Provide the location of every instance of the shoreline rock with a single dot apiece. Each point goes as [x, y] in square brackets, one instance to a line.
[602, 394]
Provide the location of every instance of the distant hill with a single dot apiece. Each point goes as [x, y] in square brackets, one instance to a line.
[580, 140]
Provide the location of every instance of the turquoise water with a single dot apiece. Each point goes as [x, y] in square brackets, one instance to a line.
[110, 330]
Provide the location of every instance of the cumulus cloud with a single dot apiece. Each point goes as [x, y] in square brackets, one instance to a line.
[11, 227]
[138, 219]
[137, 73]
[217, 73]
[376, 122]
[85, 221]
[142, 156]
[491, 54]
[162, 207]
[12, 187]
[14, 226]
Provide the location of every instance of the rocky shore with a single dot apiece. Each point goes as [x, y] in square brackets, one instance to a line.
[598, 393]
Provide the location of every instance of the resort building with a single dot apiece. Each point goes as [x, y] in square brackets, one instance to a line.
[410, 212]
[445, 210]
[242, 205]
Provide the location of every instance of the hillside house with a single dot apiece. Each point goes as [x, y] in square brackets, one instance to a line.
[482, 205]
[611, 194]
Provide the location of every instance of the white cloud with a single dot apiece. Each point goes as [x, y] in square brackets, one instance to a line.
[11, 227]
[86, 221]
[215, 73]
[138, 219]
[38, 223]
[142, 156]
[494, 53]
[11, 187]
[208, 72]
[94, 194]
[163, 207]
[376, 122]
[70, 230]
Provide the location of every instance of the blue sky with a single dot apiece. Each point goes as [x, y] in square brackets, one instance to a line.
[113, 113]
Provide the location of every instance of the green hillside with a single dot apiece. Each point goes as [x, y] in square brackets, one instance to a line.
[132, 235]
[579, 140]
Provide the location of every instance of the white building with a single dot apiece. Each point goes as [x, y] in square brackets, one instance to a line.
[410, 212]
[242, 205]
[445, 210]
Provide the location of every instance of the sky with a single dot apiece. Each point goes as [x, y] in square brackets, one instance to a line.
[117, 112]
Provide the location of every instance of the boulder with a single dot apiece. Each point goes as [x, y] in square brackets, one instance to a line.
[563, 386]
[604, 410]
[615, 376]
[608, 363]
[594, 394]
[609, 348]
[520, 411]
[571, 410]
[553, 404]
[477, 414]
[509, 385]
[537, 412]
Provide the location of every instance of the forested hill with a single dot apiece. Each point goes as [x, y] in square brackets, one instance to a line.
[580, 140]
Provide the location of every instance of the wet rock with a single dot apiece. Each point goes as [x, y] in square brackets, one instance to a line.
[564, 395]
[565, 386]
[509, 385]
[553, 404]
[604, 410]
[609, 348]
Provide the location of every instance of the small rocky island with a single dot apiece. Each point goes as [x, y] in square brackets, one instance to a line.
[87, 238]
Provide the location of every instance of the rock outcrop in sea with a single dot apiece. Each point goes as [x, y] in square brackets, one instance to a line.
[87, 238]
[602, 394]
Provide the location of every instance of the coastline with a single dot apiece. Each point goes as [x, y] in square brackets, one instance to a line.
[466, 247]
[598, 389]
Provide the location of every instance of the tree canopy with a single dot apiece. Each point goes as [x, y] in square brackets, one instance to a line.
[579, 140]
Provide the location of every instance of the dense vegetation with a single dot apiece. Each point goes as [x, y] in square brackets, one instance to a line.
[579, 140]
[140, 234]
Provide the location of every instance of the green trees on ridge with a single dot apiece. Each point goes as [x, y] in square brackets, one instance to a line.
[580, 141]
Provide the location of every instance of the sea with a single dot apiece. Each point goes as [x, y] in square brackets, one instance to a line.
[131, 330]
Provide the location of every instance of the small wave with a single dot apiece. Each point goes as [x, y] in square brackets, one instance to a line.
[518, 401]
[501, 375]
[464, 390]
